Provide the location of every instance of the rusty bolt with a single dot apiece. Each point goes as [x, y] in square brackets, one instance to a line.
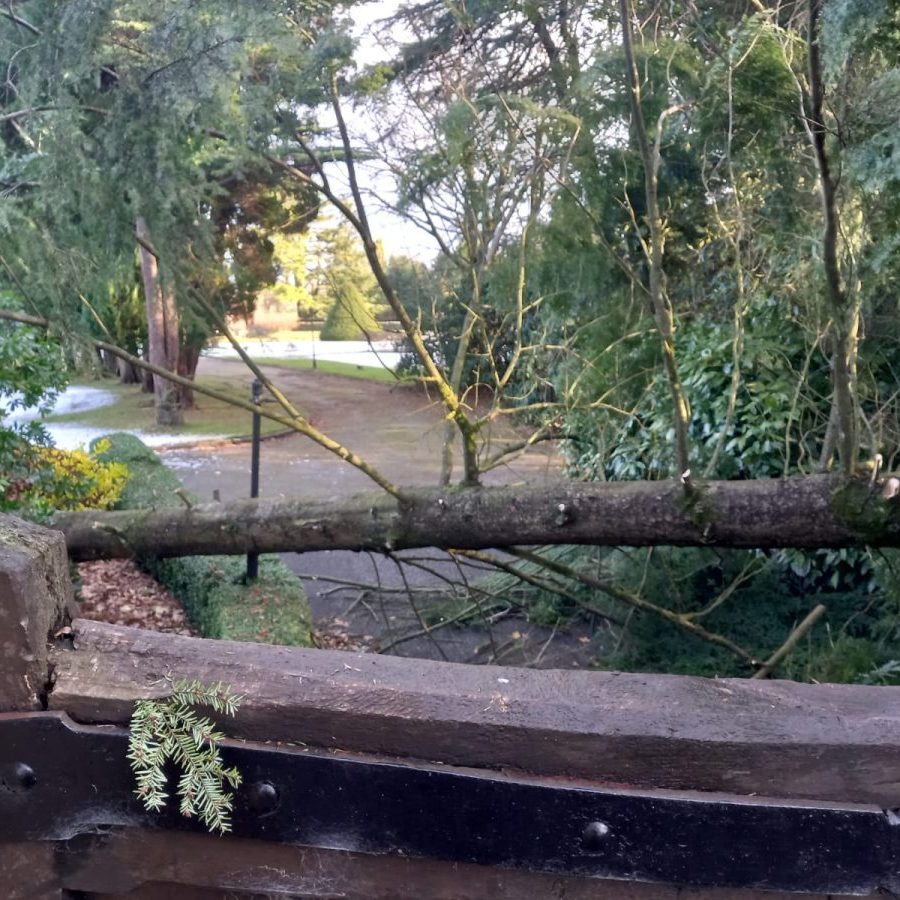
[594, 836]
[263, 797]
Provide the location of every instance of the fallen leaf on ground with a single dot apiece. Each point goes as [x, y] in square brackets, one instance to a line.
[116, 591]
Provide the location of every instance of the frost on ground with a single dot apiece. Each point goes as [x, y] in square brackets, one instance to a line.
[360, 353]
[70, 435]
[73, 399]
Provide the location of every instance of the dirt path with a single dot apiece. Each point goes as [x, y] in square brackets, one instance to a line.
[397, 429]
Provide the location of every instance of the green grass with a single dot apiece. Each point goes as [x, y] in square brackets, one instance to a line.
[350, 370]
[279, 335]
[134, 409]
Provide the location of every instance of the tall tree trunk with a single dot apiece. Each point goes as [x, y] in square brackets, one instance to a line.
[147, 379]
[162, 330]
[655, 245]
[188, 359]
[845, 305]
[108, 361]
[127, 373]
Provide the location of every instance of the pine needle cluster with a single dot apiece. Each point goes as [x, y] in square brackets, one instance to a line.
[170, 728]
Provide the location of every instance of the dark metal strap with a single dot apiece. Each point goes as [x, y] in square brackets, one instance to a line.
[59, 779]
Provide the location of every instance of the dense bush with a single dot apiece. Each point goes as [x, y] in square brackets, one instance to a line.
[39, 479]
[856, 640]
[273, 609]
[78, 479]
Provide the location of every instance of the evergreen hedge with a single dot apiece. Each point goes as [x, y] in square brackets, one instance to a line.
[273, 609]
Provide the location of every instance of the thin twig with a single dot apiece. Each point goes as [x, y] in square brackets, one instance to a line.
[426, 630]
[793, 639]
[626, 596]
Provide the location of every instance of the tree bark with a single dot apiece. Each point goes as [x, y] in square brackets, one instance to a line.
[108, 361]
[805, 511]
[655, 245]
[127, 373]
[188, 358]
[162, 329]
[845, 306]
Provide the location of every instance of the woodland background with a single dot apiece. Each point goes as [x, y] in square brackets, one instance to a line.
[665, 235]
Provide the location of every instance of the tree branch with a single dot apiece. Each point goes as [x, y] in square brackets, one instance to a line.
[13, 17]
[662, 307]
[845, 311]
[779, 655]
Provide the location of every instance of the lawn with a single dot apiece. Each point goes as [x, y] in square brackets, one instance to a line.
[134, 409]
[350, 370]
[283, 334]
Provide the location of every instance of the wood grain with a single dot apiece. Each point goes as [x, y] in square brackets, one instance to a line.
[35, 595]
[804, 511]
[775, 738]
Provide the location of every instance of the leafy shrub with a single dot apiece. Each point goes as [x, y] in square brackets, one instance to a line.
[45, 478]
[776, 428]
[32, 373]
[758, 615]
[80, 480]
[32, 365]
[853, 642]
[152, 484]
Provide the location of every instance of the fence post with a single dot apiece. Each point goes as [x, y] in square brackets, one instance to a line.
[35, 595]
[255, 397]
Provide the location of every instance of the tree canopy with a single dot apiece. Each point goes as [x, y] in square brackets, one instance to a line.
[665, 237]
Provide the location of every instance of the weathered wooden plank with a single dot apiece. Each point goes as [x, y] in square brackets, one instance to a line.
[776, 738]
[35, 592]
[146, 865]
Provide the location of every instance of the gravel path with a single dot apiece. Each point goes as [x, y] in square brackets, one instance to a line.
[398, 429]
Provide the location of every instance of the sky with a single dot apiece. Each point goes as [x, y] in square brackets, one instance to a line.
[398, 236]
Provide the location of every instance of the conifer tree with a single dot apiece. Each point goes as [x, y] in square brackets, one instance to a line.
[350, 286]
[134, 131]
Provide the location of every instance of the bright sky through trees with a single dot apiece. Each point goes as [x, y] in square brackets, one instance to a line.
[397, 234]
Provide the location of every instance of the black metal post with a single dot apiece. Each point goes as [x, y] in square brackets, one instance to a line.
[255, 396]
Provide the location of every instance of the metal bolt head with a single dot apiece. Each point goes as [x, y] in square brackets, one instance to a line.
[24, 775]
[594, 836]
[262, 797]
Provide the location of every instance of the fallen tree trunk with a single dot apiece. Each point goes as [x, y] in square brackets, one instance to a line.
[803, 511]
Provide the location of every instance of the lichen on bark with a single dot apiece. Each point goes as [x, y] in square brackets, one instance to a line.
[859, 505]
